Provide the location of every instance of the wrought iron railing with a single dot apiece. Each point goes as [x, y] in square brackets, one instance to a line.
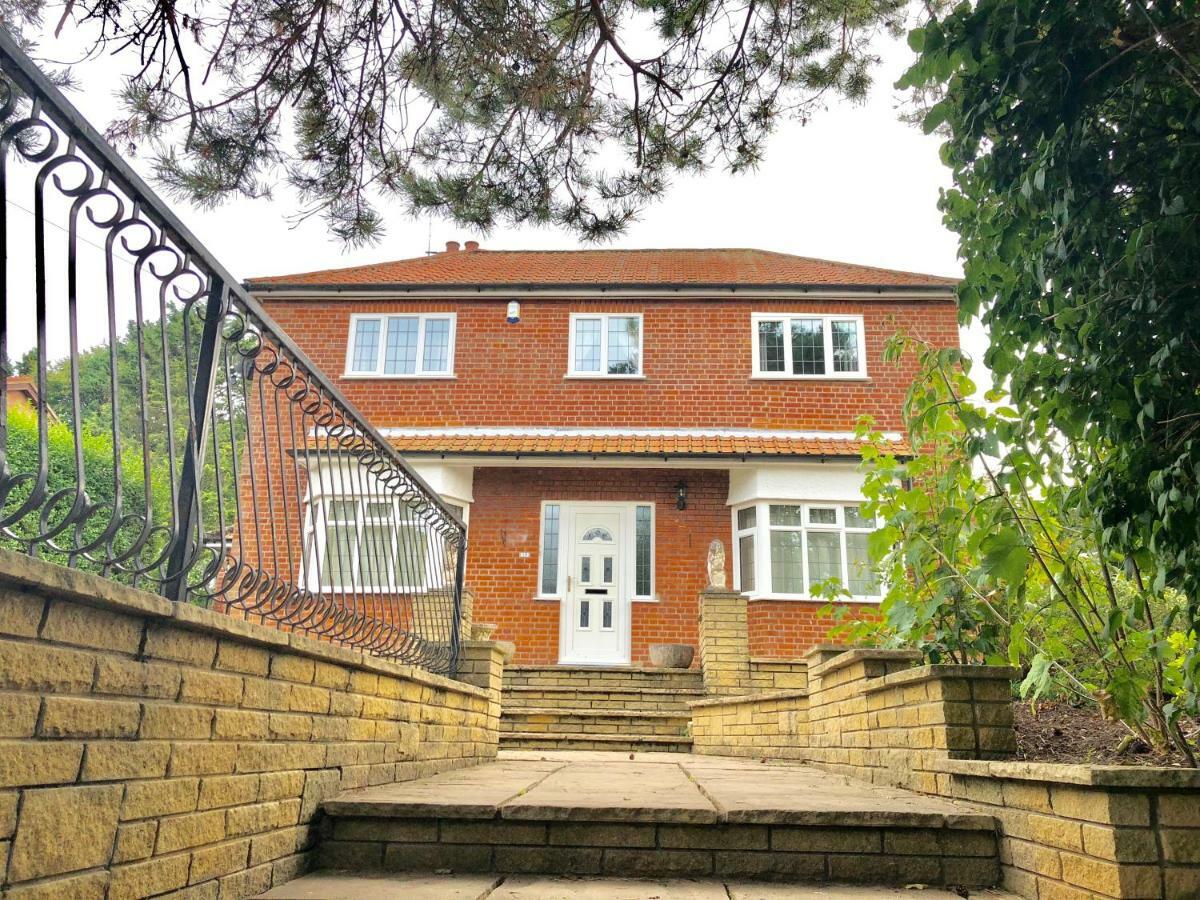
[161, 430]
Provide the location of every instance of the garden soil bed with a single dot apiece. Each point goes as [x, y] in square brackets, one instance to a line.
[1058, 732]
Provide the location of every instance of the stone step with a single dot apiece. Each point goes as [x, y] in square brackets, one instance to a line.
[659, 816]
[583, 740]
[579, 677]
[617, 697]
[594, 722]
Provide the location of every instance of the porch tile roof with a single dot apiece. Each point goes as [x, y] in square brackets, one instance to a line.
[661, 445]
[588, 268]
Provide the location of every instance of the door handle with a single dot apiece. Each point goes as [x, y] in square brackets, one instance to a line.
[568, 584]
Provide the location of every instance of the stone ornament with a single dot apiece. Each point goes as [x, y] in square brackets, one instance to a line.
[716, 565]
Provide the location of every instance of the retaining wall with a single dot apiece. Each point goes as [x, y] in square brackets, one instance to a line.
[148, 747]
[1066, 832]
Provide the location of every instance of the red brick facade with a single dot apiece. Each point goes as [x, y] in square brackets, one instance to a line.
[697, 361]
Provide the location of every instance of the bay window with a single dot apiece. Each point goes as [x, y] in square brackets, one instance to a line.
[808, 346]
[373, 544]
[787, 549]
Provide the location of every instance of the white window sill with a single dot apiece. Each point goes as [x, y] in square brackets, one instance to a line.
[805, 598]
[555, 598]
[372, 376]
[601, 376]
[784, 376]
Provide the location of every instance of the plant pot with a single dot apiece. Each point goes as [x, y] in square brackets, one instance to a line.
[671, 656]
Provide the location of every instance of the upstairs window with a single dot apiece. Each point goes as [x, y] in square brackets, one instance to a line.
[605, 346]
[399, 346]
[808, 346]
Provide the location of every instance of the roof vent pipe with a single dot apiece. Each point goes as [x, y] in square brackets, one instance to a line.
[451, 246]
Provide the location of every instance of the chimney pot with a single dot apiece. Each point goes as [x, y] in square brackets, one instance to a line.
[451, 246]
[472, 245]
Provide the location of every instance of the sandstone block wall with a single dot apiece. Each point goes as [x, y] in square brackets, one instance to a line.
[724, 642]
[149, 747]
[778, 675]
[1066, 832]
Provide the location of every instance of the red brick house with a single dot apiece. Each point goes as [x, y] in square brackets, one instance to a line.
[601, 416]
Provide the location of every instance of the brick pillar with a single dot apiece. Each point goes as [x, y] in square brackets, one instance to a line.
[481, 663]
[724, 642]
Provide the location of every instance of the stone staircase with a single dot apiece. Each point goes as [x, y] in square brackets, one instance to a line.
[596, 814]
[597, 708]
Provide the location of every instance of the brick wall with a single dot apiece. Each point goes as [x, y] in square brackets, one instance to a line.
[697, 361]
[150, 747]
[1067, 832]
[785, 629]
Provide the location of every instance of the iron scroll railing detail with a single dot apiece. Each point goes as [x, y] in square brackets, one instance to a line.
[160, 429]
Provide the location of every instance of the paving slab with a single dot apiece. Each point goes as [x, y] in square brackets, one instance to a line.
[407, 886]
[550, 887]
[797, 795]
[419, 886]
[477, 792]
[754, 891]
[612, 791]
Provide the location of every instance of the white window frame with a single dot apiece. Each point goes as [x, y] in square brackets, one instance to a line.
[381, 355]
[566, 508]
[573, 372]
[764, 576]
[316, 538]
[827, 333]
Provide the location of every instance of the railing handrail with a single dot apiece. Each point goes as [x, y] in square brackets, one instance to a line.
[252, 449]
[35, 83]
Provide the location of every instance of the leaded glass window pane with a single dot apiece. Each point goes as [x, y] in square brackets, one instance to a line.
[824, 556]
[606, 618]
[855, 518]
[623, 345]
[587, 345]
[643, 552]
[863, 580]
[437, 346]
[376, 555]
[366, 345]
[787, 562]
[550, 531]
[845, 346]
[822, 515]
[746, 518]
[808, 347]
[400, 357]
[746, 561]
[337, 563]
[770, 347]
[787, 515]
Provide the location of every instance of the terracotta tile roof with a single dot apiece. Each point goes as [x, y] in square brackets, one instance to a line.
[630, 445]
[645, 268]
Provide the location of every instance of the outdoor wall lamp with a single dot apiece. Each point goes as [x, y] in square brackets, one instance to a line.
[681, 495]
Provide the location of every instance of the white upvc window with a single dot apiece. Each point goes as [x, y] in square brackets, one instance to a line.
[785, 548]
[807, 346]
[605, 345]
[401, 346]
[369, 544]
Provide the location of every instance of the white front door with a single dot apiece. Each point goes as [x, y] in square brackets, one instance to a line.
[596, 626]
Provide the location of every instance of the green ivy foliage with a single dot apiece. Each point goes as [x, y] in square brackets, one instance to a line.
[1074, 140]
[991, 553]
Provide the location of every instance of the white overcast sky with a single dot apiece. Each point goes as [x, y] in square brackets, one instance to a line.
[855, 184]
